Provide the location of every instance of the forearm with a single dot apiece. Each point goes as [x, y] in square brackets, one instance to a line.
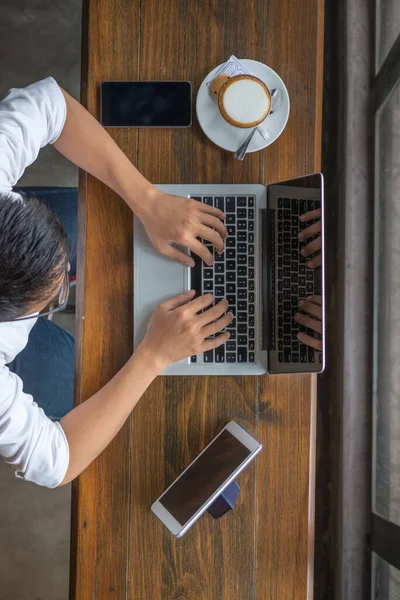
[86, 143]
[92, 425]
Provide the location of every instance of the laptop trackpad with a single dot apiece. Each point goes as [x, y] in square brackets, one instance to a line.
[157, 277]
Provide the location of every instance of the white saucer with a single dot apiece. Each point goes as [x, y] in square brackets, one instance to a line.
[227, 136]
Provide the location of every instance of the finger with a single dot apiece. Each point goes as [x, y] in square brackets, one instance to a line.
[216, 224]
[215, 342]
[218, 325]
[310, 341]
[212, 236]
[316, 261]
[211, 210]
[311, 308]
[315, 299]
[308, 322]
[176, 301]
[214, 313]
[200, 249]
[311, 215]
[312, 247]
[310, 231]
[201, 302]
[178, 255]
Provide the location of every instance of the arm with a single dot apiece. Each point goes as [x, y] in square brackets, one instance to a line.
[167, 219]
[177, 330]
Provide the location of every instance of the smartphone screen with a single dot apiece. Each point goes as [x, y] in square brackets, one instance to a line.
[146, 104]
[203, 478]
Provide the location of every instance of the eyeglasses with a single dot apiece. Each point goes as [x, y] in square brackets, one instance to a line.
[62, 299]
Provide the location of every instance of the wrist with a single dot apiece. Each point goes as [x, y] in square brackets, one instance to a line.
[150, 358]
[142, 201]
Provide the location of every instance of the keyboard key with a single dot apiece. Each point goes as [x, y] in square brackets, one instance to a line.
[219, 203]
[250, 200]
[208, 285]
[286, 340]
[251, 273]
[230, 288]
[230, 265]
[241, 213]
[251, 261]
[231, 276]
[242, 317]
[303, 353]
[242, 305]
[220, 279]
[309, 275]
[295, 357]
[231, 300]
[230, 242]
[251, 237]
[242, 271]
[286, 203]
[219, 291]
[287, 355]
[251, 285]
[280, 202]
[310, 287]
[250, 225]
[231, 230]
[241, 225]
[251, 297]
[242, 282]
[231, 357]
[232, 333]
[242, 248]
[242, 354]
[197, 198]
[219, 258]
[220, 354]
[242, 236]
[230, 253]
[219, 267]
[193, 359]
[208, 273]
[242, 328]
[286, 226]
[208, 200]
[251, 334]
[251, 344]
[302, 207]
[251, 249]
[287, 330]
[208, 356]
[250, 214]
[241, 201]
[230, 204]
[241, 259]
[251, 309]
[311, 355]
[230, 346]
[242, 294]
[242, 340]
[251, 321]
[251, 357]
[230, 219]
[280, 357]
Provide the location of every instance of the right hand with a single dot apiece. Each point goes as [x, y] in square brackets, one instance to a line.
[313, 247]
[178, 329]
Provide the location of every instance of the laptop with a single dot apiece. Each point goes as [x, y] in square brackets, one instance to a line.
[261, 273]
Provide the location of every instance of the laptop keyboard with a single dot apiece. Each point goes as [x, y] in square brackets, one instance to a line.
[294, 281]
[231, 277]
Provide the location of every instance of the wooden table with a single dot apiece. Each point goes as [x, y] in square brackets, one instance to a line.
[264, 549]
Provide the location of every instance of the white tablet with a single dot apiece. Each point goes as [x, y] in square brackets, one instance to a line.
[200, 484]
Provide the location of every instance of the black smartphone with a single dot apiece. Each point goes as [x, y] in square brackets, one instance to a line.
[146, 104]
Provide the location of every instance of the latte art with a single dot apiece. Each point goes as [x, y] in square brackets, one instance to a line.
[244, 101]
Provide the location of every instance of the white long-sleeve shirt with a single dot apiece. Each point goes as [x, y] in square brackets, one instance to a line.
[30, 118]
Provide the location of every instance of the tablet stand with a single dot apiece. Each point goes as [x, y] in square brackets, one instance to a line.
[225, 502]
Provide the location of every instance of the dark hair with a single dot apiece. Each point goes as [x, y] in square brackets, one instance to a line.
[34, 249]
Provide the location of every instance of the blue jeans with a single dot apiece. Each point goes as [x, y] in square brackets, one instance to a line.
[46, 365]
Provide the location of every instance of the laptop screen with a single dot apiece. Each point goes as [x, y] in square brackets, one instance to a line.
[295, 326]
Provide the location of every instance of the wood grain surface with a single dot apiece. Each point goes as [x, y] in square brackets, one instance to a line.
[263, 550]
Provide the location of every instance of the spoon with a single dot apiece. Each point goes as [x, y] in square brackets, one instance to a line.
[276, 99]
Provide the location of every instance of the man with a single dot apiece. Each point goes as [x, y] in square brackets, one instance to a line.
[35, 260]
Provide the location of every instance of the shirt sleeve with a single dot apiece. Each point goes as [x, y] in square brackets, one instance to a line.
[29, 441]
[30, 118]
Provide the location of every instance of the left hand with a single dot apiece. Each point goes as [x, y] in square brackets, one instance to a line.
[313, 307]
[172, 220]
[315, 245]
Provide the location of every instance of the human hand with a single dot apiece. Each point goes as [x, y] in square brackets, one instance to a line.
[314, 245]
[311, 306]
[178, 329]
[174, 220]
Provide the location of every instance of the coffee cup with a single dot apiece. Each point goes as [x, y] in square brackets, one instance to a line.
[244, 101]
